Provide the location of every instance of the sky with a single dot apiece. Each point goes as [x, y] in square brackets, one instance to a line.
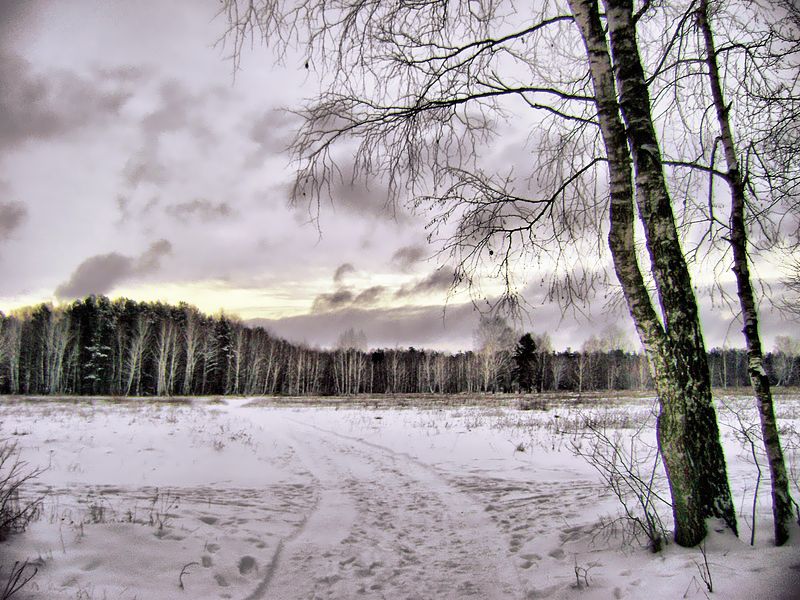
[133, 163]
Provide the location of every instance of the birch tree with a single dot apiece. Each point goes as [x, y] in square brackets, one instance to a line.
[748, 78]
[784, 357]
[412, 95]
[137, 345]
[165, 352]
[237, 352]
[10, 343]
[59, 339]
[494, 344]
[782, 509]
[192, 341]
[688, 434]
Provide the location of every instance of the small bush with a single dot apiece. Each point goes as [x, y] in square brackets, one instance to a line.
[532, 404]
[15, 514]
[632, 475]
[16, 579]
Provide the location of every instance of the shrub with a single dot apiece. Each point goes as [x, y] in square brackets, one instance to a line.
[15, 514]
[532, 404]
[631, 475]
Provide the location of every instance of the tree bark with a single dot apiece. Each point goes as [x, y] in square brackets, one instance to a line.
[782, 511]
[687, 428]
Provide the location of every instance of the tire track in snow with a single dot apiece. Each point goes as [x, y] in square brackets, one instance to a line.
[384, 525]
[272, 567]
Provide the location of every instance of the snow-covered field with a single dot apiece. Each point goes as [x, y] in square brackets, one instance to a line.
[249, 499]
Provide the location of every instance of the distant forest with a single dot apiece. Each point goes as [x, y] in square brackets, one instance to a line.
[97, 346]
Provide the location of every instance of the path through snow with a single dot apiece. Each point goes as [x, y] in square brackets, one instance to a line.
[385, 525]
[250, 501]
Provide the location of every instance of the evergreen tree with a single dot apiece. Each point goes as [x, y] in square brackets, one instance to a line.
[525, 363]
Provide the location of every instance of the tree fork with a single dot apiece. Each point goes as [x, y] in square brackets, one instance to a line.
[687, 429]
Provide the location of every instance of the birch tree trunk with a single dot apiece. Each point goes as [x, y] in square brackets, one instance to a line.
[192, 343]
[687, 427]
[136, 350]
[164, 344]
[782, 511]
[688, 436]
[13, 333]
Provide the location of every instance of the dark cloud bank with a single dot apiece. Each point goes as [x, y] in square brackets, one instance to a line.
[425, 326]
[36, 106]
[440, 280]
[99, 274]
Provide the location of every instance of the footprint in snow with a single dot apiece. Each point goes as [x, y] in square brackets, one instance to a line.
[247, 564]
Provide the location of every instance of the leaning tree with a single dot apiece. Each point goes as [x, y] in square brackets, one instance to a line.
[736, 178]
[725, 75]
[526, 136]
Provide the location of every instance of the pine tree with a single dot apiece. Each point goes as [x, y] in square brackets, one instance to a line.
[525, 363]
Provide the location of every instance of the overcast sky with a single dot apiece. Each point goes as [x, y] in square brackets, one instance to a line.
[132, 164]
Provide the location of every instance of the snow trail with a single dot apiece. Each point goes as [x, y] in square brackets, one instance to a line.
[274, 502]
[384, 525]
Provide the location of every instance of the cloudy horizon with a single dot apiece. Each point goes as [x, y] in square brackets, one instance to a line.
[140, 167]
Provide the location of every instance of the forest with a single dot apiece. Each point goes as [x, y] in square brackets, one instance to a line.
[98, 346]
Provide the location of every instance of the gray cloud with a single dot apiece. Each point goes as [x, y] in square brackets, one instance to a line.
[369, 295]
[172, 114]
[99, 274]
[96, 275]
[427, 326]
[145, 167]
[178, 111]
[12, 214]
[44, 106]
[123, 206]
[12, 12]
[439, 280]
[408, 256]
[201, 208]
[344, 298]
[342, 271]
[364, 200]
[331, 302]
[150, 260]
[349, 192]
[272, 133]
[128, 211]
[452, 328]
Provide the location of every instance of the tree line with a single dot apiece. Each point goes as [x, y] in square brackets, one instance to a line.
[98, 346]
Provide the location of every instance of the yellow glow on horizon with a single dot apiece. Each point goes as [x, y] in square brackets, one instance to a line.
[212, 296]
[274, 300]
[9, 304]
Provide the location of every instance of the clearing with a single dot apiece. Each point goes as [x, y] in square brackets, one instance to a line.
[257, 498]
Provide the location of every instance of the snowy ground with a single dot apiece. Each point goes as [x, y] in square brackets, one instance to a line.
[249, 499]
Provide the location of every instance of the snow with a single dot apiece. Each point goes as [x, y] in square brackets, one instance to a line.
[249, 498]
